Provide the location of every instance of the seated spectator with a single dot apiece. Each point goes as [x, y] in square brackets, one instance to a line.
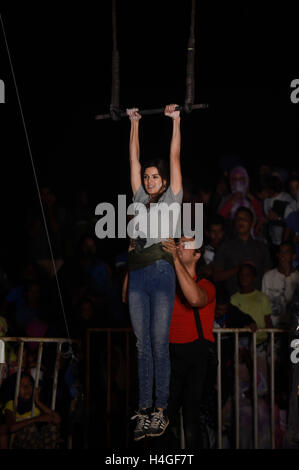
[85, 318]
[291, 231]
[279, 285]
[238, 250]
[221, 190]
[252, 301]
[38, 244]
[241, 197]
[229, 316]
[37, 328]
[28, 305]
[215, 236]
[81, 218]
[21, 427]
[293, 186]
[277, 207]
[257, 305]
[87, 271]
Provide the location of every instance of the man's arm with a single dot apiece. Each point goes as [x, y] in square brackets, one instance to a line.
[175, 149]
[195, 295]
[224, 274]
[134, 150]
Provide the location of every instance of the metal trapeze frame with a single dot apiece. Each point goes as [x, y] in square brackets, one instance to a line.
[115, 112]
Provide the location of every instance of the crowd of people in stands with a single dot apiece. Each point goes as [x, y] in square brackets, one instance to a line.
[250, 254]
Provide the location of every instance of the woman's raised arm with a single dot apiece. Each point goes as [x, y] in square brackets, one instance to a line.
[175, 149]
[134, 149]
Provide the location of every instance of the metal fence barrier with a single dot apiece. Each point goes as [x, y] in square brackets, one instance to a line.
[41, 341]
[218, 332]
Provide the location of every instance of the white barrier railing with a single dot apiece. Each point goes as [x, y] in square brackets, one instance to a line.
[41, 341]
[236, 332]
[218, 332]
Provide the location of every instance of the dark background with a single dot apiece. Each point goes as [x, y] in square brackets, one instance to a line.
[246, 58]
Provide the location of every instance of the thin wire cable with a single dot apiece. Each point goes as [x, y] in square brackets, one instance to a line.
[35, 176]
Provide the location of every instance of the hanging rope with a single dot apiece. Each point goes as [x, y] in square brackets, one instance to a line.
[115, 85]
[37, 185]
[115, 112]
[190, 85]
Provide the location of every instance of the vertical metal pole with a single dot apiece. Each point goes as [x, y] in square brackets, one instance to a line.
[272, 393]
[237, 394]
[108, 400]
[2, 355]
[255, 397]
[70, 442]
[182, 434]
[87, 390]
[219, 390]
[20, 359]
[127, 384]
[38, 366]
[55, 380]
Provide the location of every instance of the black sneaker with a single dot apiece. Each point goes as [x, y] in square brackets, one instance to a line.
[158, 424]
[143, 418]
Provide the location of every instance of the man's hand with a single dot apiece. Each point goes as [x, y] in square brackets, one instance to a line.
[253, 327]
[170, 246]
[273, 216]
[132, 245]
[170, 111]
[133, 114]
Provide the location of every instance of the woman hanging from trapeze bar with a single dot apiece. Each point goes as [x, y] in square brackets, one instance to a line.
[151, 279]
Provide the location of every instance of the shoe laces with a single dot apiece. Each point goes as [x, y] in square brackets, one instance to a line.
[143, 420]
[157, 419]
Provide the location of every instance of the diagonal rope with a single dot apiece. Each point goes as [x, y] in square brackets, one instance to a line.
[35, 176]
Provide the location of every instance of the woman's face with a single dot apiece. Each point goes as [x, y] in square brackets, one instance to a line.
[26, 389]
[153, 182]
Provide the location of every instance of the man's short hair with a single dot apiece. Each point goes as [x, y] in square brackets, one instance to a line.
[245, 209]
[289, 244]
[250, 267]
[216, 219]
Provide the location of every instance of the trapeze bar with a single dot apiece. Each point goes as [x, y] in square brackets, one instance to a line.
[147, 112]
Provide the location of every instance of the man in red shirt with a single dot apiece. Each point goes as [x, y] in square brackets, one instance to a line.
[189, 351]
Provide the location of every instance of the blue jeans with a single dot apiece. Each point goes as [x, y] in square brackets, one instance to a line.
[151, 299]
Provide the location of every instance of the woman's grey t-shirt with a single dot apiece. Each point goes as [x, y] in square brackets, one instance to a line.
[168, 198]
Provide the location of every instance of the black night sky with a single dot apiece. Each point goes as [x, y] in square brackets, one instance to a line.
[245, 61]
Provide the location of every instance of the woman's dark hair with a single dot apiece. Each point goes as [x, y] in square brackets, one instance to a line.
[163, 170]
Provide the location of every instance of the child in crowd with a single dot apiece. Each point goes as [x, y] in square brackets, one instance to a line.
[28, 430]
